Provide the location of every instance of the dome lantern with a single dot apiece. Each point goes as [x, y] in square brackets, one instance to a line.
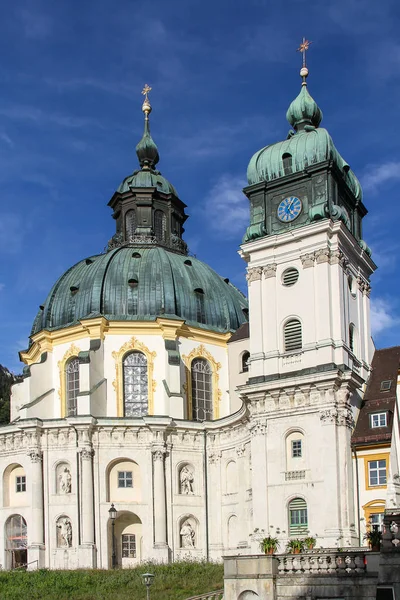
[146, 150]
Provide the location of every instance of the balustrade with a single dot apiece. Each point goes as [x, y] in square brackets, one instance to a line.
[322, 563]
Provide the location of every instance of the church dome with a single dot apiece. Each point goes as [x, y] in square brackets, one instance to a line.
[147, 179]
[134, 283]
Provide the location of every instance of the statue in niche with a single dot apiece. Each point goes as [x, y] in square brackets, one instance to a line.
[187, 535]
[64, 480]
[65, 533]
[186, 479]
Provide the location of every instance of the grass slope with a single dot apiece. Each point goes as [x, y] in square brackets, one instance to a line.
[175, 581]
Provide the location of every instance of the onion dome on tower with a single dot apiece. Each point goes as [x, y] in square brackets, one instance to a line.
[306, 163]
[145, 272]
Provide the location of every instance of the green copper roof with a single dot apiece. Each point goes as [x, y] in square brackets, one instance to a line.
[308, 145]
[147, 179]
[304, 110]
[146, 150]
[306, 148]
[139, 284]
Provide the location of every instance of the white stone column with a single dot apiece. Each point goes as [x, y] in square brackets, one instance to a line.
[215, 503]
[160, 508]
[258, 429]
[36, 525]
[36, 530]
[243, 534]
[87, 497]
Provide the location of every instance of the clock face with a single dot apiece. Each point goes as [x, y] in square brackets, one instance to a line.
[289, 209]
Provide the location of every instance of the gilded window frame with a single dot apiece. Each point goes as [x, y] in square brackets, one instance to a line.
[202, 352]
[133, 345]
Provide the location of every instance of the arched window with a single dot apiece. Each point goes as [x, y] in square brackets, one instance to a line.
[287, 163]
[298, 517]
[135, 385]
[72, 385]
[245, 361]
[292, 335]
[201, 390]
[16, 542]
[130, 224]
[160, 225]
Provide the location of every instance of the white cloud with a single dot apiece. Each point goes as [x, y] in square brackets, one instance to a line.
[379, 174]
[228, 206]
[382, 316]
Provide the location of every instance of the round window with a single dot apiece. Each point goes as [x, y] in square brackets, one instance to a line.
[290, 276]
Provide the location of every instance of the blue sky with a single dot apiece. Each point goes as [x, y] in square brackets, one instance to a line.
[223, 74]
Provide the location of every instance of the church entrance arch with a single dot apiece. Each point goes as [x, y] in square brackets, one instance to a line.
[128, 540]
[16, 538]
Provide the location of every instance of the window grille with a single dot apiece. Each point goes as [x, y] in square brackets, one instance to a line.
[379, 420]
[287, 163]
[125, 479]
[129, 545]
[245, 362]
[135, 385]
[201, 390]
[130, 224]
[293, 335]
[20, 483]
[72, 385]
[160, 225]
[296, 449]
[200, 308]
[377, 472]
[298, 517]
[290, 277]
[386, 385]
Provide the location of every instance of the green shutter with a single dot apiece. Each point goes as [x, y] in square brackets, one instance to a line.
[298, 517]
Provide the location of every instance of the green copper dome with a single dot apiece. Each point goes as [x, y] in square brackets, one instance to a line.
[139, 284]
[304, 111]
[306, 148]
[147, 179]
[307, 145]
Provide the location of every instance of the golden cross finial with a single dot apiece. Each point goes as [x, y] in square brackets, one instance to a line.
[304, 46]
[146, 90]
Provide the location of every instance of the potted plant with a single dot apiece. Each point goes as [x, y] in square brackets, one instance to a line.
[269, 545]
[295, 546]
[310, 542]
[374, 537]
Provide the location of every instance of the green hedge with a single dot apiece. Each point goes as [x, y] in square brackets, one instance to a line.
[175, 581]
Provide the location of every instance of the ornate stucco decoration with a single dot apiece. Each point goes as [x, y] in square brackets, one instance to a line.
[270, 270]
[35, 456]
[258, 428]
[341, 416]
[307, 260]
[87, 453]
[72, 352]
[241, 450]
[322, 255]
[202, 352]
[254, 274]
[338, 258]
[214, 457]
[363, 286]
[118, 383]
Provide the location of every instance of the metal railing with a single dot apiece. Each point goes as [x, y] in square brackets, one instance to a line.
[217, 595]
[26, 565]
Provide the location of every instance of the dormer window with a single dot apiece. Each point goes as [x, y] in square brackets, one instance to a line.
[378, 420]
[287, 163]
[200, 308]
[386, 385]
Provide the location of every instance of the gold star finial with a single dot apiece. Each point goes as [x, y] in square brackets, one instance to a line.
[146, 90]
[304, 46]
[146, 106]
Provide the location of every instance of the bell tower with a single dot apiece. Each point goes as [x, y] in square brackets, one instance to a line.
[308, 272]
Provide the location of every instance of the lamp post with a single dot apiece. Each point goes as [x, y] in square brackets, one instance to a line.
[113, 515]
[148, 581]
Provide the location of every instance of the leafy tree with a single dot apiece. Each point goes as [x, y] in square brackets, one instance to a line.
[7, 379]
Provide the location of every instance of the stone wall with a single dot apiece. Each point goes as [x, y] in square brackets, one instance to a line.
[327, 574]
